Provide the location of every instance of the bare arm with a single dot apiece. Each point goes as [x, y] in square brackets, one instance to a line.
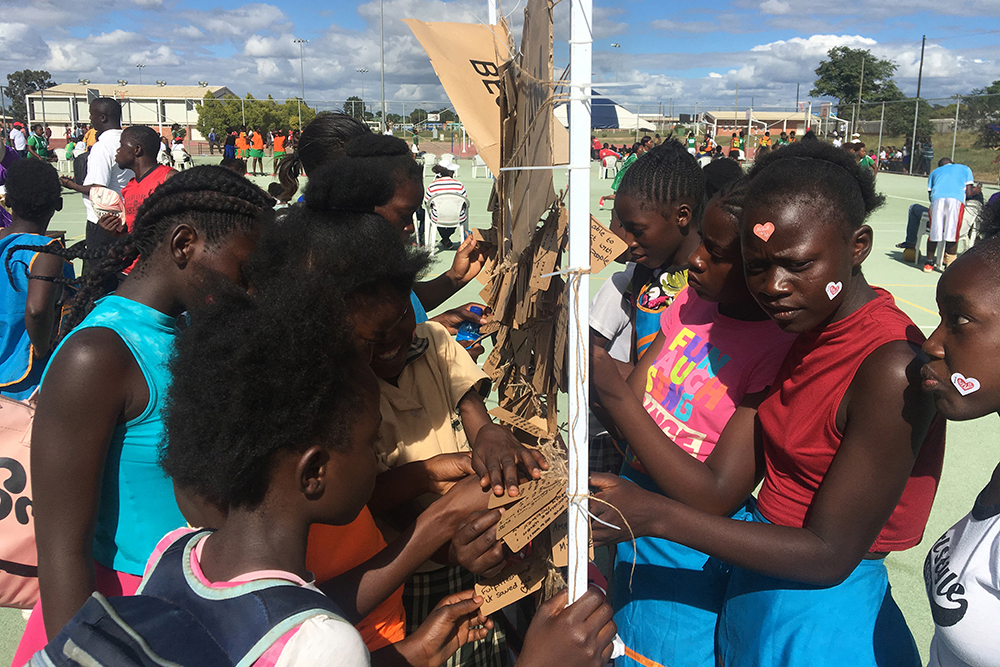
[885, 419]
[40, 311]
[469, 261]
[85, 395]
[68, 182]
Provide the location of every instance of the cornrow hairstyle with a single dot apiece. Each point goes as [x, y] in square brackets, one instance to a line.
[816, 171]
[213, 200]
[321, 141]
[255, 377]
[666, 175]
[33, 190]
[143, 136]
[730, 199]
[366, 177]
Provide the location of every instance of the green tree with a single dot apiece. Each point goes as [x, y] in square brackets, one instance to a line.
[418, 116]
[21, 83]
[355, 107]
[981, 110]
[447, 115]
[230, 111]
[840, 77]
[899, 119]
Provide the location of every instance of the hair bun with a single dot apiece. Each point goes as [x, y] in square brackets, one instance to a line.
[376, 145]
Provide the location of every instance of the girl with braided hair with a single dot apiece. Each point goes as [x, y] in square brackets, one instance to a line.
[102, 501]
[848, 448]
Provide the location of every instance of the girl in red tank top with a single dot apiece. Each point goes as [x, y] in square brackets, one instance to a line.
[850, 449]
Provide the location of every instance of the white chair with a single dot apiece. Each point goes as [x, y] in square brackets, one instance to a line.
[430, 159]
[64, 167]
[477, 164]
[965, 239]
[451, 210]
[182, 160]
[609, 167]
[446, 157]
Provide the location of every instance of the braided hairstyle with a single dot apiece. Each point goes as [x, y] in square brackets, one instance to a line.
[321, 141]
[213, 200]
[730, 199]
[365, 177]
[663, 177]
[816, 171]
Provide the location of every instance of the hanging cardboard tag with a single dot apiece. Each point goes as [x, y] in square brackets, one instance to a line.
[509, 586]
[605, 247]
[509, 418]
[559, 534]
[532, 527]
[531, 504]
[523, 490]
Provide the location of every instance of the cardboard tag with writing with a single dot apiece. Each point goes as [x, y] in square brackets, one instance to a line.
[509, 586]
[518, 422]
[531, 504]
[605, 247]
[533, 526]
[526, 489]
[559, 534]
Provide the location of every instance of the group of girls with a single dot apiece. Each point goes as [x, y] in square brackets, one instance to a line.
[227, 340]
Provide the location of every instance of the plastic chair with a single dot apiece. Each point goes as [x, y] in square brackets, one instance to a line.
[449, 208]
[964, 242]
[430, 159]
[609, 167]
[446, 157]
[477, 164]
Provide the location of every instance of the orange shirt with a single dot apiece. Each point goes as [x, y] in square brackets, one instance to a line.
[258, 141]
[333, 550]
[241, 142]
[279, 143]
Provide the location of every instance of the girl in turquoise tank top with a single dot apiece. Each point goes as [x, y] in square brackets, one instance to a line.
[102, 502]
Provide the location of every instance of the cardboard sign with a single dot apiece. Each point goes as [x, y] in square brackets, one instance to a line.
[605, 247]
[532, 527]
[531, 504]
[518, 422]
[523, 490]
[468, 59]
[521, 580]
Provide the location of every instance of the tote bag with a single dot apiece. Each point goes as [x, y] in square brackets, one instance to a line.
[18, 556]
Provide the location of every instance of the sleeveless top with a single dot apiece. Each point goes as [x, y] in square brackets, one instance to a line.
[137, 505]
[17, 359]
[798, 422]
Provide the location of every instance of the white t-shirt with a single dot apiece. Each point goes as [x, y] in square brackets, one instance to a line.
[325, 642]
[609, 317]
[962, 575]
[19, 140]
[102, 168]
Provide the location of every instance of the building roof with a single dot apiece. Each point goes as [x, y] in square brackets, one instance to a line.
[762, 116]
[136, 91]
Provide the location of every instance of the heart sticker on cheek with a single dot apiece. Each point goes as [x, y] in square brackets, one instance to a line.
[764, 231]
[964, 385]
[833, 289]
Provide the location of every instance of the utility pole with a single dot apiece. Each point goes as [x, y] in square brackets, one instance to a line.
[302, 76]
[362, 71]
[140, 66]
[861, 85]
[381, 45]
[916, 104]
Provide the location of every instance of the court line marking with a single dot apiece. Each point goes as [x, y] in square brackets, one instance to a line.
[915, 305]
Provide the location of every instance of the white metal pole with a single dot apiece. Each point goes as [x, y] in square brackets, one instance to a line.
[881, 125]
[954, 134]
[491, 11]
[581, 69]
[381, 45]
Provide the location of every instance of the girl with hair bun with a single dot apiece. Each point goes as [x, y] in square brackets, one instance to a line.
[850, 450]
[102, 501]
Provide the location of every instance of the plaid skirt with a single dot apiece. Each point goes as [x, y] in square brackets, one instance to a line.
[423, 590]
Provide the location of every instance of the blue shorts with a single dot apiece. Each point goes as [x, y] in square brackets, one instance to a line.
[769, 622]
[669, 614]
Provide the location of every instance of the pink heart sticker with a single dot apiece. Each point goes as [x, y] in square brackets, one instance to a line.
[833, 289]
[764, 231]
[964, 385]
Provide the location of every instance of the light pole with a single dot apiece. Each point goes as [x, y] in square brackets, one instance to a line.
[618, 47]
[302, 74]
[381, 40]
[140, 66]
[123, 83]
[362, 71]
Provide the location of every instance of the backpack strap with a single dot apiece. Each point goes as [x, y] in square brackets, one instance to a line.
[245, 619]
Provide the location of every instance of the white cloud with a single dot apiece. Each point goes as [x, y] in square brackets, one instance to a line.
[237, 22]
[775, 7]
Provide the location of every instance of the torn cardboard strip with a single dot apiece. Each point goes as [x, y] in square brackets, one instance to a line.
[535, 523]
[518, 422]
[521, 580]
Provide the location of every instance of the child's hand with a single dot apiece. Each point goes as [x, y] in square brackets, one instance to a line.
[496, 455]
[444, 470]
[452, 319]
[455, 622]
[469, 261]
[113, 224]
[475, 546]
[578, 635]
[628, 497]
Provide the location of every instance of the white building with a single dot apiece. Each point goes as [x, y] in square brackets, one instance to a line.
[68, 104]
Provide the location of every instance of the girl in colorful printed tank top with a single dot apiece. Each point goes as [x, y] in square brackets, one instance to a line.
[850, 450]
[962, 569]
[102, 502]
[688, 419]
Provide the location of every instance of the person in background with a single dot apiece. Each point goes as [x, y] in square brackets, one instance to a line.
[29, 303]
[213, 141]
[229, 148]
[257, 153]
[277, 153]
[947, 188]
[106, 121]
[18, 140]
[607, 151]
[278, 193]
[38, 144]
[444, 181]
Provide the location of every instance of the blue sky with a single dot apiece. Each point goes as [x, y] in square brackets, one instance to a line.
[691, 55]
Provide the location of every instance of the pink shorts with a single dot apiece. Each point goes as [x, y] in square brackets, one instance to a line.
[109, 584]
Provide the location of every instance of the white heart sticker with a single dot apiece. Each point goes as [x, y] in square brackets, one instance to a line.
[964, 385]
[833, 289]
